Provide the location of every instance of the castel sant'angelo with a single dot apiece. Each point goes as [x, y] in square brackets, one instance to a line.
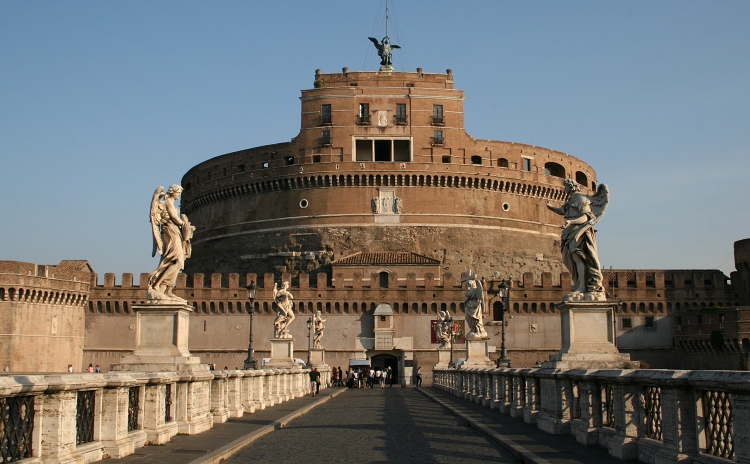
[374, 212]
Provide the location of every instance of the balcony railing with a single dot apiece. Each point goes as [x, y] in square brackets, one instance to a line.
[438, 140]
[326, 121]
[634, 413]
[325, 141]
[363, 120]
[400, 121]
[438, 121]
[96, 432]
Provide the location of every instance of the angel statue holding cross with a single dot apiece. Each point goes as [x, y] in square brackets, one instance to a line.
[579, 252]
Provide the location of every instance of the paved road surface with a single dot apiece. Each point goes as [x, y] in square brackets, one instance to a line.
[362, 426]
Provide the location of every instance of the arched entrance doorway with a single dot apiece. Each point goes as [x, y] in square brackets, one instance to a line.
[382, 361]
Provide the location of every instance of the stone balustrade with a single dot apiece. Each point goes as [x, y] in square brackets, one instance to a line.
[655, 416]
[89, 417]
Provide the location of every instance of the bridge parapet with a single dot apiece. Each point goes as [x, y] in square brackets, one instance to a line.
[89, 417]
[651, 415]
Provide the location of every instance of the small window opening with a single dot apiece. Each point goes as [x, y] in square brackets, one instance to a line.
[627, 323]
[289, 160]
[437, 114]
[649, 322]
[502, 163]
[316, 158]
[526, 164]
[325, 114]
[554, 170]
[364, 113]
[476, 159]
[401, 113]
[265, 165]
[446, 159]
[581, 178]
[383, 279]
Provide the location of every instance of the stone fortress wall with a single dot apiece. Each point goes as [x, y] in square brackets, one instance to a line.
[466, 202]
[42, 315]
[220, 324]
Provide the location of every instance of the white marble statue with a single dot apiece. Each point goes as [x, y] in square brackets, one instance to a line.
[284, 310]
[172, 234]
[474, 304]
[444, 329]
[318, 329]
[579, 251]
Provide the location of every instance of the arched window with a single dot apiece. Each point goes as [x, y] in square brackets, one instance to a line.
[497, 311]
[554, 169]
[476, 159]
[383, 279]
[502, 163]
[582, 179]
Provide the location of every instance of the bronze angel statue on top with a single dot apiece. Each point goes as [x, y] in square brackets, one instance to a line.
[384, 52]
[579, 252]
[172, 234]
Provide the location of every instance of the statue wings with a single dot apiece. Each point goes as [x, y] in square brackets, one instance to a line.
[599, 202]
[376, 42]
[395, 46]
[155, 216]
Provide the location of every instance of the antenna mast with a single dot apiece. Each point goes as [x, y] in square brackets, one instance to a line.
[386, 18]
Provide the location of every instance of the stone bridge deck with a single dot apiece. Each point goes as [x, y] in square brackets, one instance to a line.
[390, 425]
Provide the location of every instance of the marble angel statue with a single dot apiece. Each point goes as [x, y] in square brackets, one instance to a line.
[318, 330]
[284, 310]
[172, 234]
[474, 303]
[579, 251]
[444, 329]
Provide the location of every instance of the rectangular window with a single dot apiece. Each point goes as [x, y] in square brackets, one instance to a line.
[437, 137]
[364, 113]
[382, 150]
[364, 150]
[401, 113]
[627, 323]
[437, 114]
[325, 114]
[678, 320]
[326, 138]
[699, 319]
[649, 322]
[401, 150]
[526, 164]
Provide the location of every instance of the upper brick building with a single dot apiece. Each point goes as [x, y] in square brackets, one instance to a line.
[382, 163]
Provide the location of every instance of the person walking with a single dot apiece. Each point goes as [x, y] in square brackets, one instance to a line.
[341, 377]
[389, 376]
[380, 378]
[419, 376]
[313, 382]
[317, 381]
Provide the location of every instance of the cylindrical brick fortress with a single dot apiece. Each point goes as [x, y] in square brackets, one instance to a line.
[382, 163]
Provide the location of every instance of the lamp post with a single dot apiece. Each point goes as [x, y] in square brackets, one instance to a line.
[250, 362]
[309, 339]
[504, 294]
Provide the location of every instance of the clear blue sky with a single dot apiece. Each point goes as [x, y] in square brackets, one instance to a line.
[100, 102]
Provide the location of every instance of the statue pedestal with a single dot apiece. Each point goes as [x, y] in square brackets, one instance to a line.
[444, 358]
[588, 338]
[161, 341]
[282, 354]
[477, 354]
[318, 358]
[161, 345]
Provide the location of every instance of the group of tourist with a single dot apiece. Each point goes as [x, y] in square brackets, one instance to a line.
[364, 378]
[315, 381]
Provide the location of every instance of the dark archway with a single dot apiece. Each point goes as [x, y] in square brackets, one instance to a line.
[382, 361]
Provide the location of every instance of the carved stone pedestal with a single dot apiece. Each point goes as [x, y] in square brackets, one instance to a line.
[318, 358]
[477, 355]
[444, 358]
[161, 345]
[282, 354]
[161, 341]
[588, 338]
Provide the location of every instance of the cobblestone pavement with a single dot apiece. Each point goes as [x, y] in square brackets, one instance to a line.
[362, 426]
